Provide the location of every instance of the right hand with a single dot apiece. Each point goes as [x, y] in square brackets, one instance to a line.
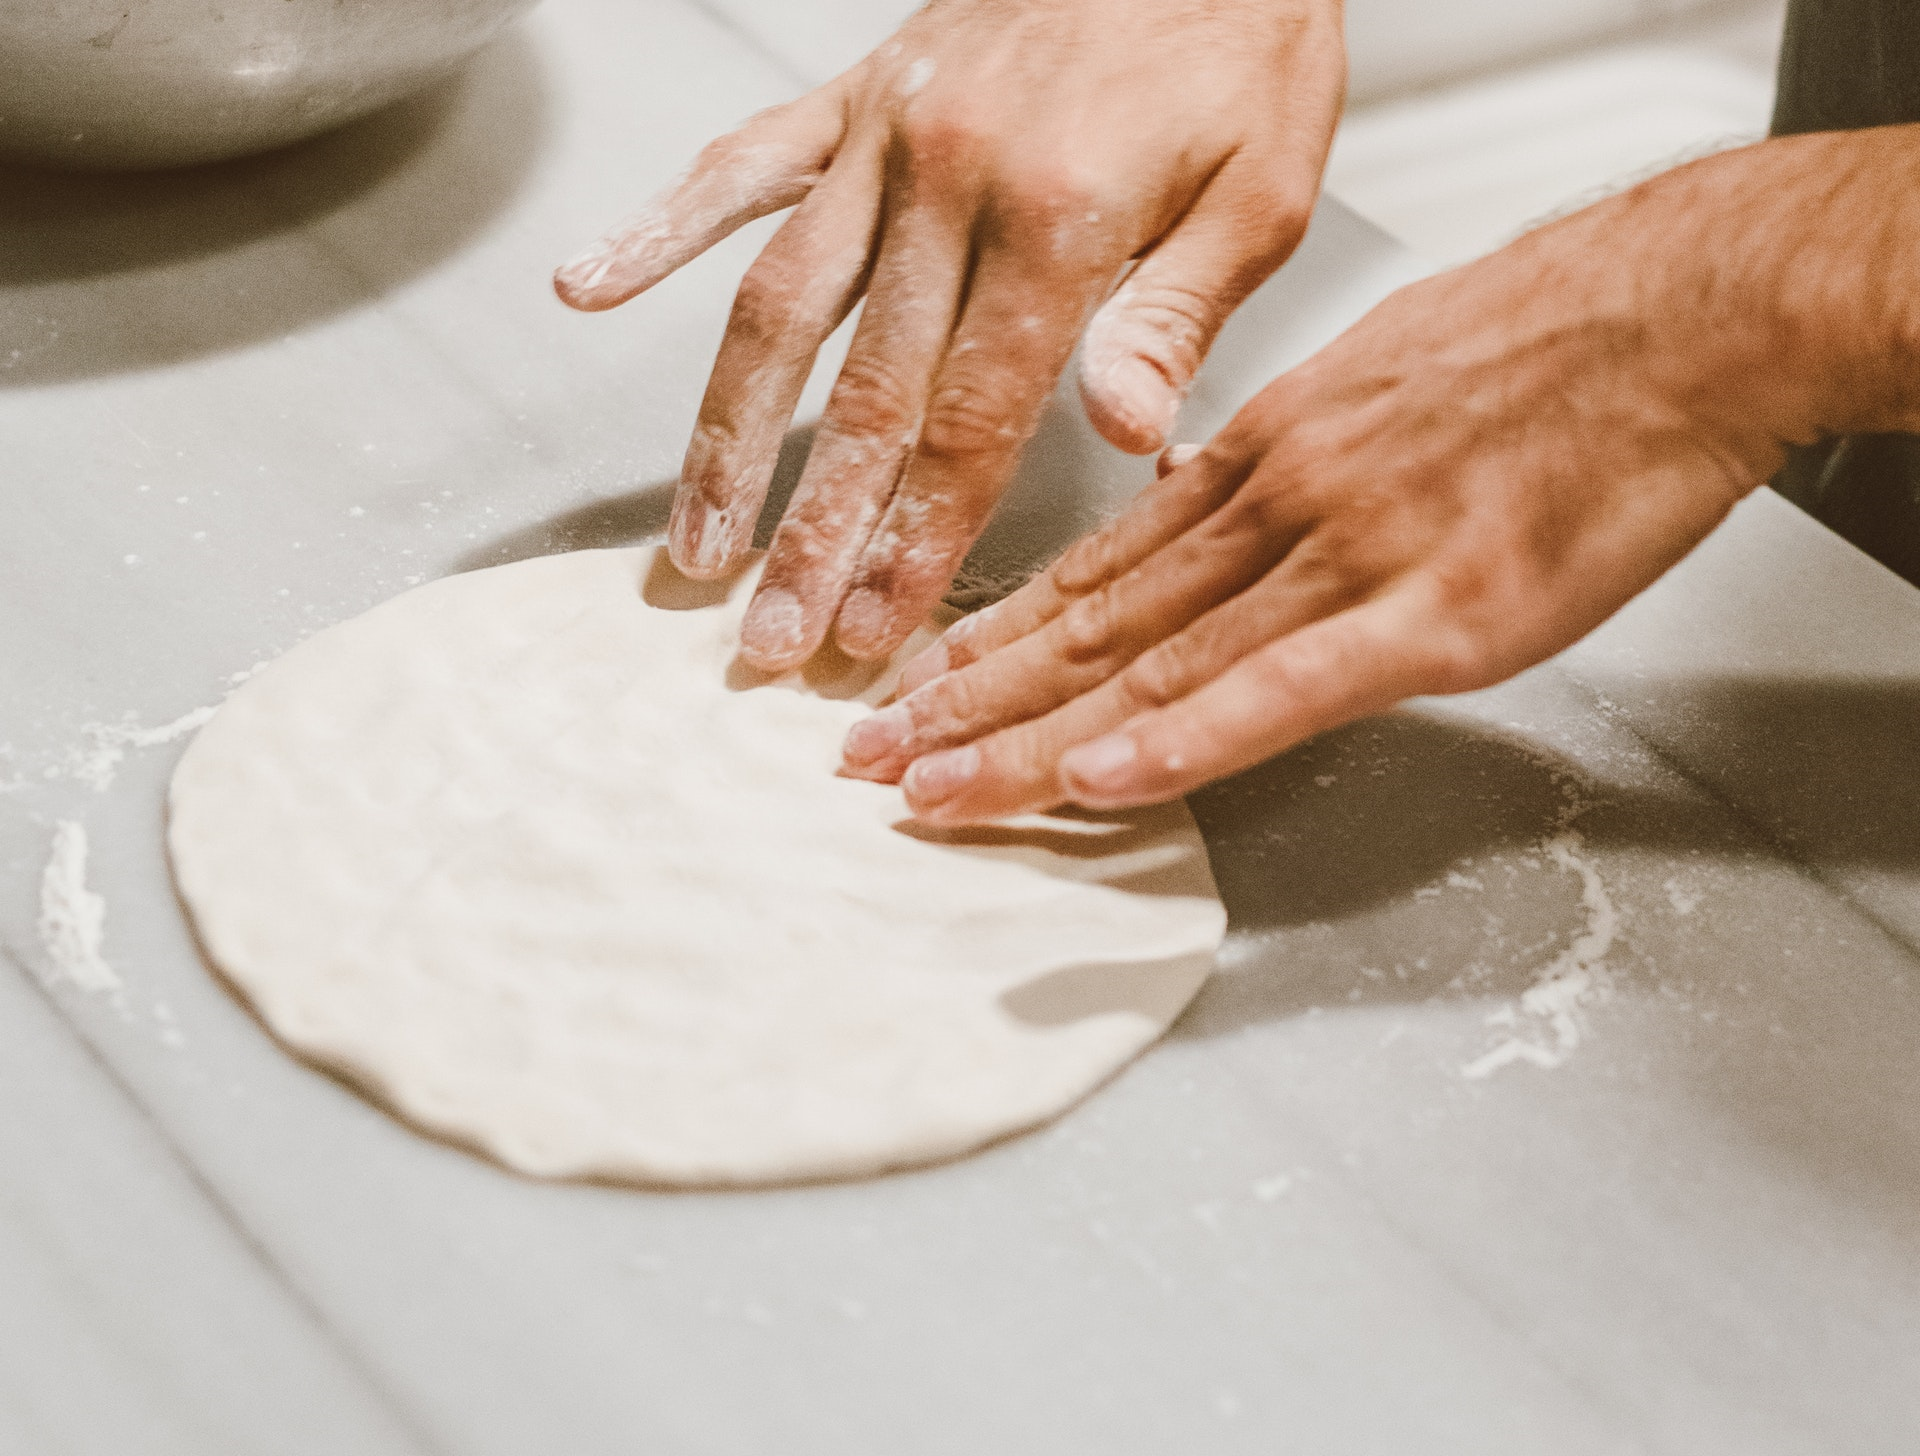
[983, 179]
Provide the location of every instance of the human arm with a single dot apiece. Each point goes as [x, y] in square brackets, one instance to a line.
[982, 181]
[1479, 472]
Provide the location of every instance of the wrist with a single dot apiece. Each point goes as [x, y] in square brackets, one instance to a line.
[1773, 291]
[1821, 252]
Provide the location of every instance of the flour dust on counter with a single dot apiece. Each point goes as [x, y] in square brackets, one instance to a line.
[528, 855]
[73, 918]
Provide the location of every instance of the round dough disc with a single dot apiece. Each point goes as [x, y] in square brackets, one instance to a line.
[529, 856]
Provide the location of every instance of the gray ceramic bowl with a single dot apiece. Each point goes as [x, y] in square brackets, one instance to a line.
[163, 83]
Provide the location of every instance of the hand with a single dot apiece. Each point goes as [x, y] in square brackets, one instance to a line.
[1473, 477]
[983, 179]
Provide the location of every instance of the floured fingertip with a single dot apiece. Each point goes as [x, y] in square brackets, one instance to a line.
[1175, 456]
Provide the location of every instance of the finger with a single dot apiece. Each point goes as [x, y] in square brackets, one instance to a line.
[770, 163]
[1018, 769]
[1022, 315]
[796, 293]
[1163, 601]
[1161, 513]
[871, 419]
[1358, 662]
[1147, 342]
[1173, 457]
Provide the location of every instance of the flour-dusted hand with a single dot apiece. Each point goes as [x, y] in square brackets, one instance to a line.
[1475, 475]
[994, 177]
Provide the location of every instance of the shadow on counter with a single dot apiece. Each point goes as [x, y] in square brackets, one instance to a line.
[1420, 837]
[1060, 493]
[107, 273]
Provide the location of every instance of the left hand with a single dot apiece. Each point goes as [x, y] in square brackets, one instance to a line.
[983, 180]
[1473, 477]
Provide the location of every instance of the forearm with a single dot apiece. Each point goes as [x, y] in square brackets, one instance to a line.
[1471, 478]
[1778, 285]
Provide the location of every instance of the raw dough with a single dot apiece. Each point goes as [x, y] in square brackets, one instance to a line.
[527, 855]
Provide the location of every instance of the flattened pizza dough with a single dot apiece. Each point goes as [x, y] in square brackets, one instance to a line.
[527, 855]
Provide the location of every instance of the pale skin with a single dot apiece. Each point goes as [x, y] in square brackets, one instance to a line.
[983, 180]
[1479, 472]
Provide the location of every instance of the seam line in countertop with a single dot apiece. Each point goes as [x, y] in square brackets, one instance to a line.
[1772, 840]
[409, 1425]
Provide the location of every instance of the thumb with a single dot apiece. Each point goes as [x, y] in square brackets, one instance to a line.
[1148, 340]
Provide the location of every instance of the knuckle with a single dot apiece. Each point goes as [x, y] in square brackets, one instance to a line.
[765, 304]
[1167, 324]
[1455, 658]
[942, 133]
[1022, 756]
[1046, 194]
[969, 639]
[721, 150]
[949, 711]
[1172, 310]
[1157, 678]
[870, 399]
[971, 417]
[1460, 650]
[1089, 628]
[1087, 565]
[991, 628]
[1283, 210]
[716, 440]
[1272, 512]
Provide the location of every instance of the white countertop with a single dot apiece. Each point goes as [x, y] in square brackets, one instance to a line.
[240, 405]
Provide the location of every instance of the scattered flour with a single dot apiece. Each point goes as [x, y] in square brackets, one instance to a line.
[1546, 1020]
[107, 743]
[168, 1025]
[73, 919]
[1684, 900]
[917, 76]
[1271, 1190]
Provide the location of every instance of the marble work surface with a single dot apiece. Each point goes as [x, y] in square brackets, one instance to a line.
[1558, 1091]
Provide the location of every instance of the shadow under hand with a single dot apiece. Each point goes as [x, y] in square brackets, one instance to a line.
[1078, 993]
[108, 273]
[1401, 858]
[1068, 482]
[1829, 768]
[639, 516]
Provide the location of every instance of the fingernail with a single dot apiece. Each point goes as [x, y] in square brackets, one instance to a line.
[864, 621]
[774, 625]
[939, 776]
[923, 669]
[884, 735]
[587, 270]
[1100, 765]
[1177, 456]
[697, 544]
[1137, 390]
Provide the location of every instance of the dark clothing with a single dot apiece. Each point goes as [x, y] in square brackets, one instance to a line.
[1846, 64]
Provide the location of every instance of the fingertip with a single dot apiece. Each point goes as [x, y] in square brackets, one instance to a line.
[1174, 457]
[935, 779]
[700, 539]
[773, 635]
[582, 282]
[1112, 772]
[1130, 401]
[875, 740]
[868, 627]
